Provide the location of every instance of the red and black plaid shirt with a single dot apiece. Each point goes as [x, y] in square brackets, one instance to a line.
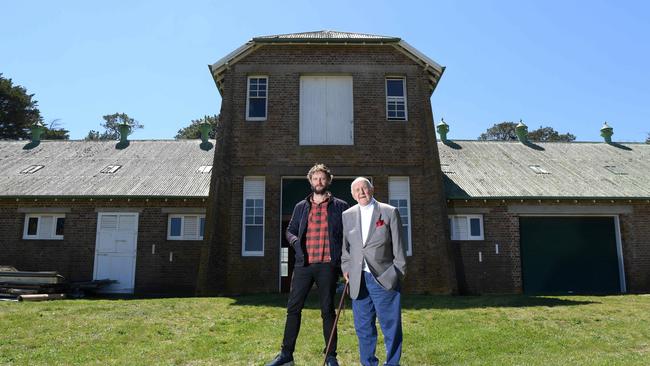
[317, 235]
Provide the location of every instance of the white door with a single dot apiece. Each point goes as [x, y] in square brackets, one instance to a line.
[326, 113]
[115, 250]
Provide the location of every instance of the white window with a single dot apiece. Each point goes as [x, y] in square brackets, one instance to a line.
[256, 98]
[185, 227]
[44, 226]
[466, 227]
[253, 217]
[326, 110]
[396, 99]
[399, 196]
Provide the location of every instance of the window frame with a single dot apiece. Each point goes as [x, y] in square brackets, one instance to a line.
[248, 98]
[403, 98]
[246, 194]
[198, 236]
[468, 218]
[40, 235]
[392, 195]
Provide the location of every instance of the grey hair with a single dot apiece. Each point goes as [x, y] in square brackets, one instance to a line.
[362, 179]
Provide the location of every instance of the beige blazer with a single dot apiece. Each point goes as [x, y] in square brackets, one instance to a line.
[384, 249]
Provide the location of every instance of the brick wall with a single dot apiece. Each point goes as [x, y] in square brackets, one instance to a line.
[271, 149]
[73, 257]
[501, 273]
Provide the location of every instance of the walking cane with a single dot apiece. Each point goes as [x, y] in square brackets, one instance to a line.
[336, 321]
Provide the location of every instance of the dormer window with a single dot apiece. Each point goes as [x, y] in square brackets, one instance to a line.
[396, 99]
[256, 100]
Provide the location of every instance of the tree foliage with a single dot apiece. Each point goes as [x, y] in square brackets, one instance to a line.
[54, 131]
[505, 131]
[18, 110]
[111, 127]
[193, 131]
[647, 140]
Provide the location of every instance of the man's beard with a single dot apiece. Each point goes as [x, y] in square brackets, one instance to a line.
[320, 190]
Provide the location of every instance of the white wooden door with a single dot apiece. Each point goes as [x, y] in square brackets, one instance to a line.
[115, 250]
[326, 110]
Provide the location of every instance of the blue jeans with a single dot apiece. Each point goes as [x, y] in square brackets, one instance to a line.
[375, 301]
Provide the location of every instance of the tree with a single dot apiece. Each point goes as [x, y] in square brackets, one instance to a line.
[505, 131]
[193, 131]
[18, 110]
[54, 131]
[647, 140]
[111, 127]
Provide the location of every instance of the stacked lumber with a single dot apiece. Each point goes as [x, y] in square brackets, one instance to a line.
[43, 285]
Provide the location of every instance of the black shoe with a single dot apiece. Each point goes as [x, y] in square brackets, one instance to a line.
[282, 360]
[331, 361]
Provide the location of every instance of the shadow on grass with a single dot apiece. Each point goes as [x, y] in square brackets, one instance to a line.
[417, 302]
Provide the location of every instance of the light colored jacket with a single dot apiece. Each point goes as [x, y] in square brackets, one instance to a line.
[384, 249]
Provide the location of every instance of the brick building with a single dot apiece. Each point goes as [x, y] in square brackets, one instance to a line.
[95, 210]
[548, 217]
[358, 103]
[184, 217]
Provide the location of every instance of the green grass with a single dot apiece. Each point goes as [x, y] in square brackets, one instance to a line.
[247, 330]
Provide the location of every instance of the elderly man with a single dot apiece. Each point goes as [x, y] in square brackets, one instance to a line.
[314, 232]
[373, 261]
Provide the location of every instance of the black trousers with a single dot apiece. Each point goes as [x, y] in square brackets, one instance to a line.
[325, 275]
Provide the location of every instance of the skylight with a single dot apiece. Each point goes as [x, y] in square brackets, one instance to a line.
[204, 169]
[32, 169]
[538, 169]
[110, 169]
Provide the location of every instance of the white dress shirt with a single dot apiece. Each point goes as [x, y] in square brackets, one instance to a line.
[366, 218]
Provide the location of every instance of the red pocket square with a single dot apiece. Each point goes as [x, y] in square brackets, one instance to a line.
[379, 223]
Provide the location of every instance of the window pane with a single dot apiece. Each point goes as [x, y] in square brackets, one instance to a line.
[249, 220]
[59, 225]
[253, 239]
[259, 203]
[393, 203]
[175, 224]
[475, 227]
[202, 226]
[257, 107]
[250, 203]
[258, 220]
[258, 211]
[395, 88]
[32, 226]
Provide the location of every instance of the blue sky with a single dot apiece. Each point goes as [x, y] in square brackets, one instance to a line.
[567, 64]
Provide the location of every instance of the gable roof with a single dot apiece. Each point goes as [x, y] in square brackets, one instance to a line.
[163, 168]
[580, 170]
[328, 37]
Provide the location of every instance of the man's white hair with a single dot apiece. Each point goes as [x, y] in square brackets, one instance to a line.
[361, 179]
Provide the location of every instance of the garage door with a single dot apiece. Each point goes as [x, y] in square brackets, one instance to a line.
[569, 255]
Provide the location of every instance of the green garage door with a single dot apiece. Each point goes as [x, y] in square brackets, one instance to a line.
[569, 255]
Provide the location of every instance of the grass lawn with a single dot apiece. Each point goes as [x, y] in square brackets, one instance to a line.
[247, 330]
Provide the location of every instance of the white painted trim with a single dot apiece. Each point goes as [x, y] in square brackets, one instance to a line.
[135, 254]
[406, 109]
[197, 237]
[469, 228]
[40, 230]
[619, 251]
[409, 244]
[244, 252]
[266, 99]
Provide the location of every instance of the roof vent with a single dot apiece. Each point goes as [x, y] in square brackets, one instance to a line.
[37, 130]
[205, 128]
[538, 169]
[522, 132]
[204, 169]
[124, 129]
[443, 129]
[606, 132]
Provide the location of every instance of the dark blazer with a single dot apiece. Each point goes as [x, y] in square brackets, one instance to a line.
[297, 228]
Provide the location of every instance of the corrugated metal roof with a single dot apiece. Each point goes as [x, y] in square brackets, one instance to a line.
[73, 168]
[495, 169]
[325, 34]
